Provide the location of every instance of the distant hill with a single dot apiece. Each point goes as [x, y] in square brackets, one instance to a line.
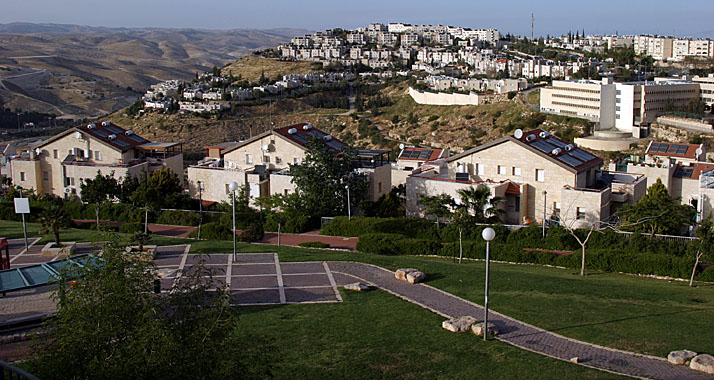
[89, 71]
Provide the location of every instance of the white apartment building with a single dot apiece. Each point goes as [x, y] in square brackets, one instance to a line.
[624, 107]
[659, 48]
[200, 107]
[706, 88]
[539, 176]
[263, 164]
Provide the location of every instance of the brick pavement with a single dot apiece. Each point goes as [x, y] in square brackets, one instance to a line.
[520, 334]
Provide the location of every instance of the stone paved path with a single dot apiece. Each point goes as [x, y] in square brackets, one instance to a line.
[520, 334]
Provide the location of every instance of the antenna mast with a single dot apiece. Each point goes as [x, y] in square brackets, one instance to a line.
[532, 22]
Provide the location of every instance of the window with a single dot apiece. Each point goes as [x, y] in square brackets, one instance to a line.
[248, 158]
[266, 159]
[379, 187]
[501, 170]
[22, 176]
[55, 154]
[516, 171]
[45, 175]
[580, 213]
[479, 169]
[278, 160]
[540, 175]
[228, 189]
[287, 191]
[517, 200]
[297, 160]
[97, 155]
[556, 209]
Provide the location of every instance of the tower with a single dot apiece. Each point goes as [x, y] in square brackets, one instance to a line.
[532, 22]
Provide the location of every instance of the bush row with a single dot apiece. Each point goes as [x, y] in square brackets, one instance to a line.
[557, 238]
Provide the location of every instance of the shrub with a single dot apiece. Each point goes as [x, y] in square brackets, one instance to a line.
[132, 228]
[706, 275]
[418, 247]
[314, 244]
[450, 233]
[252, 233]
[181, 218]
[357, 226]
[213, 231]
[288, 223]
[382, 244]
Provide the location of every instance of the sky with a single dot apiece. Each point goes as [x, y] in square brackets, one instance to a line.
[552, 17]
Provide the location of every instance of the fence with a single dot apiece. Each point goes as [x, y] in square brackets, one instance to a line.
[10, 372]
[679, 239]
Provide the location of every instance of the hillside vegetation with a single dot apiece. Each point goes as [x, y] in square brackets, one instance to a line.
[251, 67]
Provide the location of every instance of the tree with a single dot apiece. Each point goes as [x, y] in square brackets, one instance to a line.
[323, 178]
[705, 233]
[657, 212]
[109, 325]
[99, 190]
[438, 206]
[128, 186]
[477, 206]
[156, 191]
[54, 219]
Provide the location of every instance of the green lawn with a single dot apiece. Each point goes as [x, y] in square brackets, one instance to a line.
[625, 312]
[375, 335]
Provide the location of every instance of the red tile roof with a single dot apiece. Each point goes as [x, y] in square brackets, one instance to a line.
[302, 133]
[122, 139]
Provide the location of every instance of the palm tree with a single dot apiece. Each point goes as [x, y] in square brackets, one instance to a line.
[478, 206]
[54, 219]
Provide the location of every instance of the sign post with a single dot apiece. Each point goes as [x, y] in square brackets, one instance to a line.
[22, 206]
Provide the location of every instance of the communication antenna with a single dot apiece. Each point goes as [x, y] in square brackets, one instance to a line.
[532, 23]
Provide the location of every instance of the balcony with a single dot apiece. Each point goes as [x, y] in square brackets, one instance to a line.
[81, 161]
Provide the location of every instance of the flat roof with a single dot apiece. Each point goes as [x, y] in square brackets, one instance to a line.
[157, 145]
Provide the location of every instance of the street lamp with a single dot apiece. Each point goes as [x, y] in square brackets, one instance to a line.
[200, 207]
[545, 197]
[233, 187]
[488, 234]
[349, 208]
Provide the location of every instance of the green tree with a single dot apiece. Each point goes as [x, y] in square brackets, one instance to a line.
[657, 212]
[323, 178]
[705, 233]
[157, 191]
[438, 206]
[129, 184]
[54, 219]
[109, 325]
[99, 190]
[477, 206]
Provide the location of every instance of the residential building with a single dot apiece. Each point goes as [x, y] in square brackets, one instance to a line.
[263, 162]
[412, 158]
[58, 165]
[706, 88]
[537, 174]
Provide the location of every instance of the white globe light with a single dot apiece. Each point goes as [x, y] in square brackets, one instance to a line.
[488, 234]
[233, 186]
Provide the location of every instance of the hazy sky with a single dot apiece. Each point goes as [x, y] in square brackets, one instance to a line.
[681, 18]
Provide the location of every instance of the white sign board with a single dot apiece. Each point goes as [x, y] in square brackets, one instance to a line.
[22, 205]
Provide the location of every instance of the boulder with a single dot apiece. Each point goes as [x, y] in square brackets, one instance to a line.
[680, 357]
[460, 324]
[704, 363]
[478, 329]
[575, 360]
[415, 277]
[357, 287]
[401, 274]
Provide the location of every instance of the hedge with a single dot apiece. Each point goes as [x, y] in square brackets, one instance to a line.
[252, 233]
[314, 244]
[178, 217]
[357, 226]
[132, 228]
[396, 244]
[213, 231]
[293, 224]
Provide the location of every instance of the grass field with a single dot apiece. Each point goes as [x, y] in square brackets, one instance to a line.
[374, 335]
[251, 67]
[625, 312]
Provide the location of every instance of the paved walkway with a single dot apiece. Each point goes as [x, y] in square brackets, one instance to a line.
[520, 334]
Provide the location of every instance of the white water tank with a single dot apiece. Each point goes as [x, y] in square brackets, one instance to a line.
[292, 131]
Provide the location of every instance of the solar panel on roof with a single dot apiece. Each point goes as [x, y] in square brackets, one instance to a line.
[136, 138]
[114, 129]
[556, 142]
[335, 144]
[120, 142]
[582, 155]
[424, 154]
[543, 146]
[659, 147]
[405, 154]
[101, 133]
[570, 160]
[677, 149]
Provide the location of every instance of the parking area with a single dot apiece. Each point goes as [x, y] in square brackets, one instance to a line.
[254, 278]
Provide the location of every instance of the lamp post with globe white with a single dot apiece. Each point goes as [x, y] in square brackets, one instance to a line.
[233, 187]
[488, 234]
